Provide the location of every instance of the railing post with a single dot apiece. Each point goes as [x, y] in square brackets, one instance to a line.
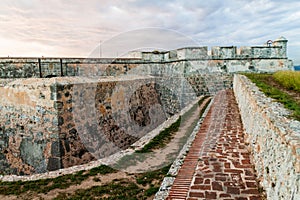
[61, 68]
[40, 68]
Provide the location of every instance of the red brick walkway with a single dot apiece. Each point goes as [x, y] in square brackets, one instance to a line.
[218, 163]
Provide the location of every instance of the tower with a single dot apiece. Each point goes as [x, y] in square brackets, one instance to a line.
[281, 42]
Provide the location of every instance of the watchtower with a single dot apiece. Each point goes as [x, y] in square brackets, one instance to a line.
[281, 42]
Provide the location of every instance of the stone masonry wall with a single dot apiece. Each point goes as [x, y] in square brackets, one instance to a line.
[266, 58]
[50, 67]
[100, 118]
[27, 127]
[195, 76]
[48, 124]
[273, 138]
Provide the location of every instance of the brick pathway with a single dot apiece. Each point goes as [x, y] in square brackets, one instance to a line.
[218, 163]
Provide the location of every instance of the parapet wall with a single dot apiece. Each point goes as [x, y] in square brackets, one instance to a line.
[229, 59]
[53, 67]
[273, 138]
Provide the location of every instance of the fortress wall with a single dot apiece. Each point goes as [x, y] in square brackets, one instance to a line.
[27, 127]
[267, 52]
[223, 59]
[273, 138]
[29, 67]
[18, 68]
[224, 52]
[236, 65]
[195, 77]
[192, 53]
[52, 123]
[48, 124]
[154, 56]
[271, 65]
[100, 118]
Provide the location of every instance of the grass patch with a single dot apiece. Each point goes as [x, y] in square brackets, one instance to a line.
[205, 106]
[146, 185]
[102, 169]
[46, 185]
[288, 79]
[162, 138]
[149, 178]
[120, 189]
[261, 80]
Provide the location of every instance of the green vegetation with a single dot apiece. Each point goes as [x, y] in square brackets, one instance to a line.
[263, 82]
[146, 185]
[289, 79]
[149, 178]
[162, 138]
[118, 189]
[205, 106]
[46, 185]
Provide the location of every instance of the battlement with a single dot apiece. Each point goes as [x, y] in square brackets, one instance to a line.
[270, 50]
[269, 57]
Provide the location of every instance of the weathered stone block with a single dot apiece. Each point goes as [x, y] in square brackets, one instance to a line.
[31, 153]
[54, 164]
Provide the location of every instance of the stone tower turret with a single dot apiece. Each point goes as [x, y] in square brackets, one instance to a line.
[281, 42]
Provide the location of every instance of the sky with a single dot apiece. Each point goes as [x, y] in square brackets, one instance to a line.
[110, 28]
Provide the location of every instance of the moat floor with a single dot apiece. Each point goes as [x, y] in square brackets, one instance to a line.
[218, 165]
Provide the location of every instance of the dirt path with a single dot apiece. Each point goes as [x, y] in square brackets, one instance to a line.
[164, 156]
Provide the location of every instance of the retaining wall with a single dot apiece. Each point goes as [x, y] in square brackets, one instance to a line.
[52, 123]
[48, 124]
[273, 138]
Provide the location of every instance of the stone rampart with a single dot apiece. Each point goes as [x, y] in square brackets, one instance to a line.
[52, 123]
[274, 140]
[227, 59]
[53, 67]
[47, 124]
[26, 126]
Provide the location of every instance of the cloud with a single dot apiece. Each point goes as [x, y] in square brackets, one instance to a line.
[75, 28]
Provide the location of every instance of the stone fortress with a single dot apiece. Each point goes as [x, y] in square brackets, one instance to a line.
[62, 112]
[270, 57]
